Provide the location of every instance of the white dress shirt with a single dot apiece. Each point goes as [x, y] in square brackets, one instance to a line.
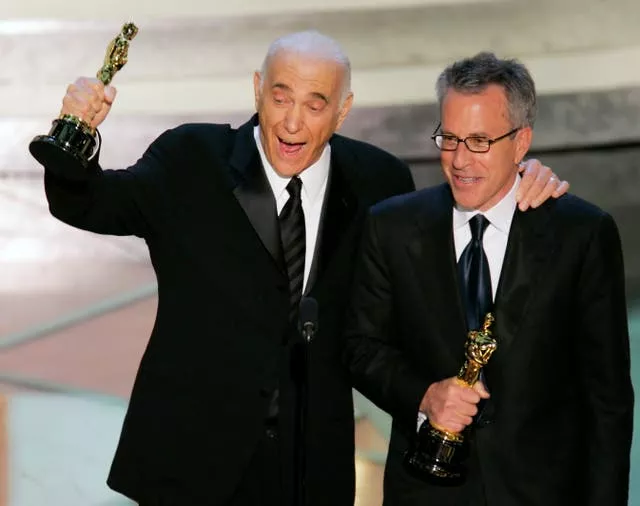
[495, 236]
[494, 240]
[314, 186]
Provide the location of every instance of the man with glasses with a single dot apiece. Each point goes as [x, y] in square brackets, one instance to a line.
[241, 224]
[550, 422]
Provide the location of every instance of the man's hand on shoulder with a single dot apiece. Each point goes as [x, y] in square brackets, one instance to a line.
[538, 184]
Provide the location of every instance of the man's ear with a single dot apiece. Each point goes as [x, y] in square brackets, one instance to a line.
[523, 140]
[257, 88]
[344, 110]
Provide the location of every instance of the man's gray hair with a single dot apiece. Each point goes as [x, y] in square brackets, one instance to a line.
[312, 44]
[473, 75]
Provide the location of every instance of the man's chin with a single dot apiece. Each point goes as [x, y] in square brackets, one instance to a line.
[466, 200]
[289, 169]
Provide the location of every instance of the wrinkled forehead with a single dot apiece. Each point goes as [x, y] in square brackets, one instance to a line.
[304, 68]
[472, 106]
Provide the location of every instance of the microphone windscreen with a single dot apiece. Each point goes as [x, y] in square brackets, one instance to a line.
[308, 311]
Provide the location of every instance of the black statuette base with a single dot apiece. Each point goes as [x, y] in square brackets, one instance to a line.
[67, 148]
[436, 458]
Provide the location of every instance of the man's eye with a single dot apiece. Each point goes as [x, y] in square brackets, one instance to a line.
[478, 141]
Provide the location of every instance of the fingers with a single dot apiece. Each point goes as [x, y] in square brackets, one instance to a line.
[451, 405]
[454, 423]
[84, 98]
[89, 100]
[561, 189]
[538, 184]
[481, 390]
[554, 188]
[455, 415]
[109, 94]
[535, 177]
[547, 191]
[525, 183]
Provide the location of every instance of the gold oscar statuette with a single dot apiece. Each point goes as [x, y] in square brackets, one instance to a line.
[437, 454]
[71, 141]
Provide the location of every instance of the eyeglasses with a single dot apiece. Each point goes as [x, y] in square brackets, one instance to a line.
[475, 144]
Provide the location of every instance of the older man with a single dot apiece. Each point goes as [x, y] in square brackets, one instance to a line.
[240, 224]
[556, 428]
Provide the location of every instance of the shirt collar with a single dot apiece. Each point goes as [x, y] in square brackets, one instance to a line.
[313, 177]
[500, 215]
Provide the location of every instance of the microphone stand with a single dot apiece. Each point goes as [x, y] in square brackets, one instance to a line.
[307, 328]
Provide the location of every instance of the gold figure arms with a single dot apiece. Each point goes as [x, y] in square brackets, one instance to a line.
[479, 347]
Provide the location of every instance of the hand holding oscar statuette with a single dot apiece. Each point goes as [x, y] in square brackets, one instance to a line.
[71, 140]
[437, 454]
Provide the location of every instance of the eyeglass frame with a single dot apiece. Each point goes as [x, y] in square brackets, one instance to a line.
[490, 142]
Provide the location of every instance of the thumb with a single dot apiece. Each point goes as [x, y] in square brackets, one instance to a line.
[481, 390]
[109, 94]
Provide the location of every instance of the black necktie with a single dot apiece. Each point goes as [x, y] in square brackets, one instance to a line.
[475, 279]
[475, 286]
[292, 233]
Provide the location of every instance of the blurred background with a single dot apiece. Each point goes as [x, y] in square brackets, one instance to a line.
[76, 308]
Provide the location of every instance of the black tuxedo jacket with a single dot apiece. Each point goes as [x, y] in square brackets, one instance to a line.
[558, 424]
[200, 199]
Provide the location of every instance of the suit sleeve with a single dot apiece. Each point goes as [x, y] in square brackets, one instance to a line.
[116, 202]
[395, 179]
[378, 366]
[604, 350]
[403, 180]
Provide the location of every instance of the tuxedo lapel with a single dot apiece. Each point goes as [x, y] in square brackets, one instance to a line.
[338, 213]
[529, 247]
[253, 192]
[433, 259]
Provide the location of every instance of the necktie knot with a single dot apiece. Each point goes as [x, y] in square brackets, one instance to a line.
[295, 187]
[478, 225]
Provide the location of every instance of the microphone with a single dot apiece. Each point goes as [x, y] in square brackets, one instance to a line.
[308, 318]
[300, 363]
